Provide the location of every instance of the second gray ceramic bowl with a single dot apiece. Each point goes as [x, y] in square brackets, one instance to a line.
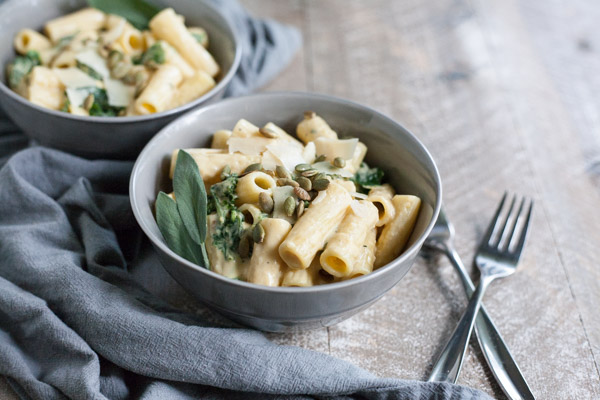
[105, 137]
[408, 167]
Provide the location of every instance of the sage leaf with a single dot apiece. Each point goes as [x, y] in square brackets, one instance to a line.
[171, 226]
[191, 196]
[137, 12]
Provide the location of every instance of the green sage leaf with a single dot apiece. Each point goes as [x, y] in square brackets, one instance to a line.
[176, 235]
[191, 196]
[137, 12]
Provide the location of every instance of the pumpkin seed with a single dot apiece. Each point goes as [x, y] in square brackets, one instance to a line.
[88, 102]
[339, 162]
[244, 246]
[320, 158]
[287, 182]
[309, 114]
[300, 209]
[114, 57]
[120, 69]
[252, 168]
[304, 183]
[309, 173]
[258, 233]
[301, 193]
[303, 167]
[320, 184]
[282, 172]
[289, 205]
[269, 133]
[265, 202]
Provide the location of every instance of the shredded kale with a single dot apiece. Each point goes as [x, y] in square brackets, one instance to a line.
[21, 66]
[153, 56]
[230, 220]
[365, 178]
[89, 70]
[100, 107]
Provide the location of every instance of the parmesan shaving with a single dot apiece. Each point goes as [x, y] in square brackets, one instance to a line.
[269, 161]
[288, 153]
[92, 59]
[248, 145]
[309, 153]
[74, 77]
[76, 97]
[119, 94]
[357, 195]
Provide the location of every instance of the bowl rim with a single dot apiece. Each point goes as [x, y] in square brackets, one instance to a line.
[221, 85]
[416, 245]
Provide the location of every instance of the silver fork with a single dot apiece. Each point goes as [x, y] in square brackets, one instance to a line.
[501, 362]
[497, 257]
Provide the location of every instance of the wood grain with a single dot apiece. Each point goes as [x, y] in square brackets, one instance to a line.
[506, 95]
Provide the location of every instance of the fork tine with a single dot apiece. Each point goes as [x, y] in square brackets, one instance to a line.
[485, 241]
[521, 242]
[502, 230]
[515, 224]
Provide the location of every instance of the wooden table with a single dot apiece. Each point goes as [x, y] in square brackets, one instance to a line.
[506, 95]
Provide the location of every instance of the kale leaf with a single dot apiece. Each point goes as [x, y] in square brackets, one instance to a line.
[365, 178]
[137, 12]
[152, 57]
[230, 223]
[21, 66]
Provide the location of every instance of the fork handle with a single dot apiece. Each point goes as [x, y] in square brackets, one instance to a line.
[448, 366]
[496, 352]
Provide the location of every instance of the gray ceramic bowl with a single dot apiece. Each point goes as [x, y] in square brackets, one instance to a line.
[408, 167]
[105, 137]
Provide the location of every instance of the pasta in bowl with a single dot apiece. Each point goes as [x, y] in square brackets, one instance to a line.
[95, 84]
[239, 287]
[285, 211]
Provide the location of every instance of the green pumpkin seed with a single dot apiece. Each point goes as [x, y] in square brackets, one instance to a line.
[300, 209]
[310, 172]
[120, 69]
[289, 206]
[320, 158]
[303, 167]
[282, 172]
[265, 202]
[114, 57]
[88, 102]
[258, 233]
[244, 246]
[287, 182]
[304, 183]
[252, 168]
[320, 184]
[309, 114]
[339, 162]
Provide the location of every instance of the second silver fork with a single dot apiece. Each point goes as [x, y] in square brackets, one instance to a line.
[497, 257]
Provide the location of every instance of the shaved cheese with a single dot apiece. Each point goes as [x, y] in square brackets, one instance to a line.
[92, 59]
[288, 153]
[280, 193]
[248, 145]
[333, 148]
[309, 153]
[326, 168]
[76, 96]
[119, 94]
[74, 77]
[269, 161]
[357, 195]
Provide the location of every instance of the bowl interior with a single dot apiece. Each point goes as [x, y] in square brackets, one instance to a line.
[405, 161]
[16, 15]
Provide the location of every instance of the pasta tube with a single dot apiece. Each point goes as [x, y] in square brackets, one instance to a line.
[302, 277]
[252, 214]
[313, 127]
[366, 259]
[357, 158]
[212, 161]
[252, 185]
[167, 26]
[131, 40]
[318, 222]
[345, 246]
[45, 89]
[244, 128]
[174, 58]
[88, 19]
[220, 138]
[28, 39]
[381, 197]
[192, 88]
[395, 233]
[157, 95]
[266, 265]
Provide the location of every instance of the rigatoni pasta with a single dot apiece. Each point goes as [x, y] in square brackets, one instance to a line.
[155, 69]
[284, 212]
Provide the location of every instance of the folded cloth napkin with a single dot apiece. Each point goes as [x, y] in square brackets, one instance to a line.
[76, 320]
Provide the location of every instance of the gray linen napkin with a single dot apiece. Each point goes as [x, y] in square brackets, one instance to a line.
[76, 323]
